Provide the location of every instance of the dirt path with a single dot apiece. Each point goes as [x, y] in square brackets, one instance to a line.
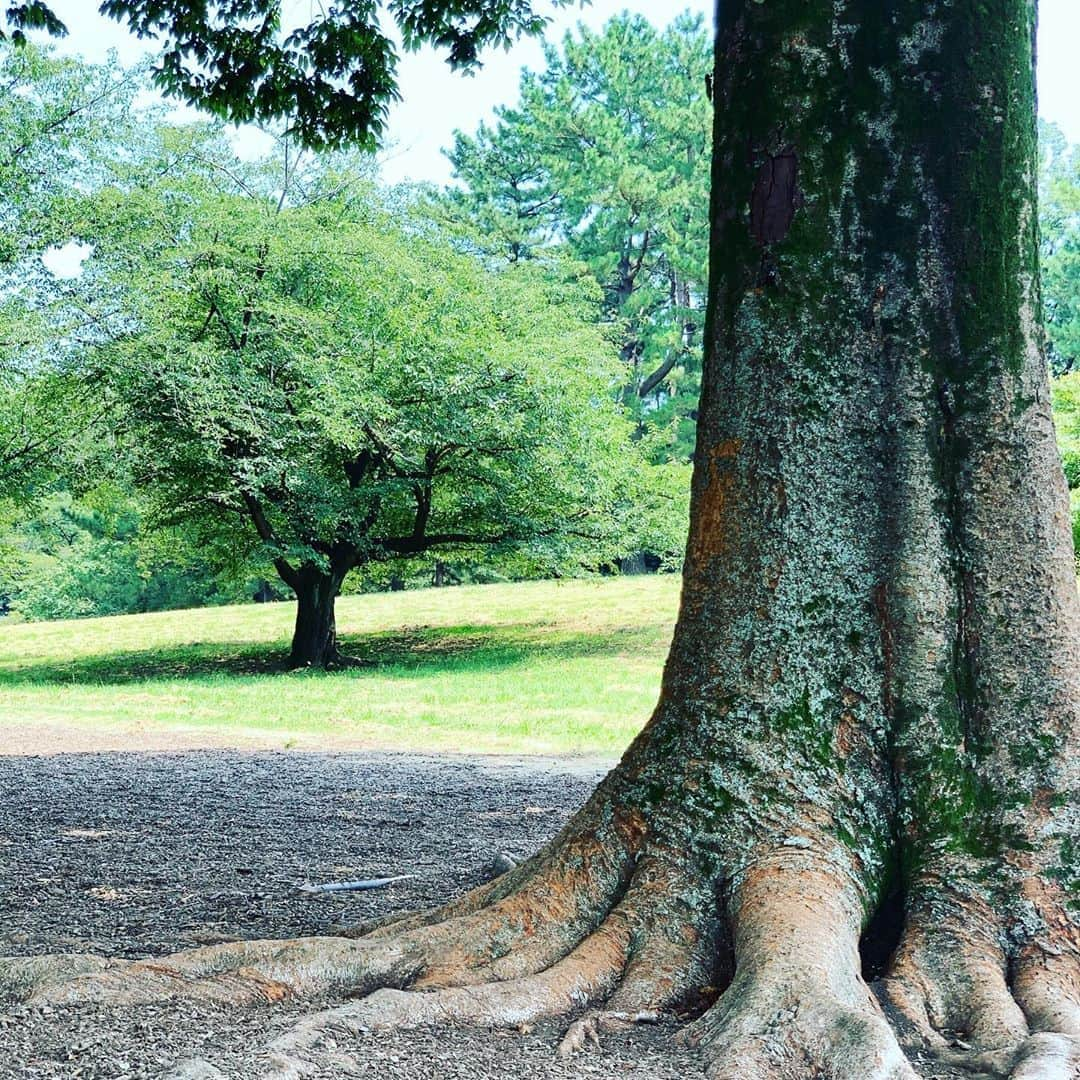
[130, 854]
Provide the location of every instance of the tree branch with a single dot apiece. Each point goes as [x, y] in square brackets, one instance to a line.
[658, 376]
[285, 569]
[413, 545]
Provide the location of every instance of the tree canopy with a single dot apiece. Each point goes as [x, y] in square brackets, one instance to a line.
[167, 219]
[292, 354]
[60, 122]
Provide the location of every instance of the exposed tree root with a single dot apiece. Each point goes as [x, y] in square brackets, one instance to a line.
[951, 993]
[674, 950]
[827, 1039]
[588, 974]
[511, 928]
[600, 922]
[628, 959]
[581, 927]
[1047, 987]
[797, 1006]
[1041, 1056]
[235, 973]
[948, 982]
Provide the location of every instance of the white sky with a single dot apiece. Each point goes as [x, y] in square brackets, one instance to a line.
[437, 101]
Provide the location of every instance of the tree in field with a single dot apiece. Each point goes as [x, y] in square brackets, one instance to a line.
[306, 373]
[869, 718]
[607, 153]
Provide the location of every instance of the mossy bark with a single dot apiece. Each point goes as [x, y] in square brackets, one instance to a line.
[880, 565]
[880, 584]
[869, 716]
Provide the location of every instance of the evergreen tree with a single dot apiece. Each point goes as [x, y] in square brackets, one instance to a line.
[607, 154]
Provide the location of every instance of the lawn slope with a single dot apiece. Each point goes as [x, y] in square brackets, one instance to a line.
[548, 667]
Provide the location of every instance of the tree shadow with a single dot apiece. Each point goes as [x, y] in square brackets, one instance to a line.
[417, 651]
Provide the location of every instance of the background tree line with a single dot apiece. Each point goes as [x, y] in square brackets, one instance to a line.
[218, 401]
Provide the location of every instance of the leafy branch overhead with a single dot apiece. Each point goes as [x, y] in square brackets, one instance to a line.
[331, 79]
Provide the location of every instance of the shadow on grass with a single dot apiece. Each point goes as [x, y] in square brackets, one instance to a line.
[416, 651]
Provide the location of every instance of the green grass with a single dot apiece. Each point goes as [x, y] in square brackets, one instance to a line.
[548, 667]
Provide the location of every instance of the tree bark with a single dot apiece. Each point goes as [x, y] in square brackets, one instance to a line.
[868, 729]
[314, 642]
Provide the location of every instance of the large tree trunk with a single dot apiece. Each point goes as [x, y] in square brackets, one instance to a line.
[876, 660]
[869, 718]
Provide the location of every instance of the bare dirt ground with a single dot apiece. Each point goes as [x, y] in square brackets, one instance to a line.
[137, 853]
[32, 739]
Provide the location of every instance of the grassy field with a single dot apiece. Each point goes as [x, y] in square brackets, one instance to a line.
[548, 667]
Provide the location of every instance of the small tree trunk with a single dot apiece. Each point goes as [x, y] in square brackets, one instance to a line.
[314, 642]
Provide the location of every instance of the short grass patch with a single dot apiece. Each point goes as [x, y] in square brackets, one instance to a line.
[548, 667]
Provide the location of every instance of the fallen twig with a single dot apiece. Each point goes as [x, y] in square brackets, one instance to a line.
[353, 886]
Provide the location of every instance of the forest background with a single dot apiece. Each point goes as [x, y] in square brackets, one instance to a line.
[572, 236]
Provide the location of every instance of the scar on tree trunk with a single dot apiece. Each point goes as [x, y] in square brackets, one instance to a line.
[868, 733]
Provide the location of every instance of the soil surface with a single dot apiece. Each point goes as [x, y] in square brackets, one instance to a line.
[133, 854]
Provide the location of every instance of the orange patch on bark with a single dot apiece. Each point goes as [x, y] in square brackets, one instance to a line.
[712, 524]
[847, 729]
[845, 733]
